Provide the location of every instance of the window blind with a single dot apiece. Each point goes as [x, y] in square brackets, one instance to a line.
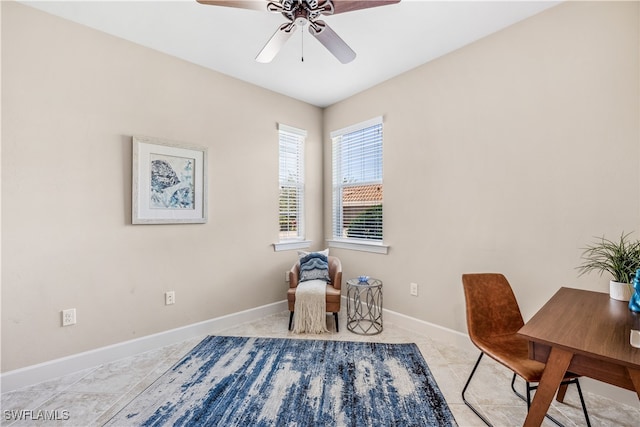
[291, 203]
[357, 182]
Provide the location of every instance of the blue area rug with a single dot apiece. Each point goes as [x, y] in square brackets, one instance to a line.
[238, 381]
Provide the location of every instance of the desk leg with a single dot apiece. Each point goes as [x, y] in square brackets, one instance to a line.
[635, 378]
[554, 371]
[561, 393]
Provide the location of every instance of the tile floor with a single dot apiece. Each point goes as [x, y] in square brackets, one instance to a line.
[94, 395]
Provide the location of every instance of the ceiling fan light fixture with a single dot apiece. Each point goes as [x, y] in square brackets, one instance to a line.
[300, 17]
[300, 13]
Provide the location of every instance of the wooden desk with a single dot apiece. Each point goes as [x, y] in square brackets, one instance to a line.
[586, 333]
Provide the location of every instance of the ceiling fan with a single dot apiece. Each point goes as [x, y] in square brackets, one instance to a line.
[299, 13]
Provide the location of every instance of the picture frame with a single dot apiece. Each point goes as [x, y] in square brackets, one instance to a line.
[169, 182]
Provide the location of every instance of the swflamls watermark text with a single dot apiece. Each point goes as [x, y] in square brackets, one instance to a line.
[35, 415]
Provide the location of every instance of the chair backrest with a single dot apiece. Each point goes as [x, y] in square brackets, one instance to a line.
[492, 309]
[335, 273]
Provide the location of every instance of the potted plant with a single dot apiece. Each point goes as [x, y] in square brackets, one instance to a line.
[620, 258]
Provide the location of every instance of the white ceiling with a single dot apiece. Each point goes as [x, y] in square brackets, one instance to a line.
[388, 40]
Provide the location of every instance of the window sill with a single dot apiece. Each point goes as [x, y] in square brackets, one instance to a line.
[377, 248]
[291, 245]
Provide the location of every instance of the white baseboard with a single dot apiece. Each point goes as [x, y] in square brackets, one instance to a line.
[13, 380]
[34, 374]
[437, 332]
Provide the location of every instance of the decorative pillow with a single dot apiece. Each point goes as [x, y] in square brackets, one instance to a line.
[314, 266]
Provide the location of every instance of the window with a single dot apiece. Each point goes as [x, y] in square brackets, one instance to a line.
[291, 212]
[357, 186]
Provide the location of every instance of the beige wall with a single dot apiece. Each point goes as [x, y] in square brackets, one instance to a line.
[72, 97]
[507, 155]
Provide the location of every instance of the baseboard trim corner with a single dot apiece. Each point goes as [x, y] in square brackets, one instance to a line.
[431, 330]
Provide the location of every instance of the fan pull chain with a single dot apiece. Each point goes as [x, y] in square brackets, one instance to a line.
[302, 45]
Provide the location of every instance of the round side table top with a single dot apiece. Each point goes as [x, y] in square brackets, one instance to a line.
[370, 282]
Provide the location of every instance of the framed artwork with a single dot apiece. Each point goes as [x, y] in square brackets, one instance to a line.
[169, 184]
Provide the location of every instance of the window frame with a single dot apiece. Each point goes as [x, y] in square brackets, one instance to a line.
[292, 139]
[337, 239]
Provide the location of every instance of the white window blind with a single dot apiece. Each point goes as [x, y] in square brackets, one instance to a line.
[357, 182]
[291, 215]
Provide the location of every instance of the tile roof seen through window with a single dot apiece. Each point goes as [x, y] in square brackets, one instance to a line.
[359, 194]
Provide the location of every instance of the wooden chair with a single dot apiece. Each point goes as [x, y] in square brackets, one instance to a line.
[333, 292]
[493, 320]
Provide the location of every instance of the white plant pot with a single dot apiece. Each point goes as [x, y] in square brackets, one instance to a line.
[620, 291]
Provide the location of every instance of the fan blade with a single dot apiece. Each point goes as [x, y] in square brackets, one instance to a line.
[275, 43]
[242, 4]
[332, 41]
[342, 6]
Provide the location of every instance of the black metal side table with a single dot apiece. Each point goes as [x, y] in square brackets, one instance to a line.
[364, 306]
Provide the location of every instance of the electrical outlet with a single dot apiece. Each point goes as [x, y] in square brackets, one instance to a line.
[169, 298]
[413, 289]
[286, 276]
[69, 317]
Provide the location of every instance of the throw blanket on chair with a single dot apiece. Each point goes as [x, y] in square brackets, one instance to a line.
[310, 307]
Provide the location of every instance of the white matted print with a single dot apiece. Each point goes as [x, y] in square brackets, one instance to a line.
[169, 182]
